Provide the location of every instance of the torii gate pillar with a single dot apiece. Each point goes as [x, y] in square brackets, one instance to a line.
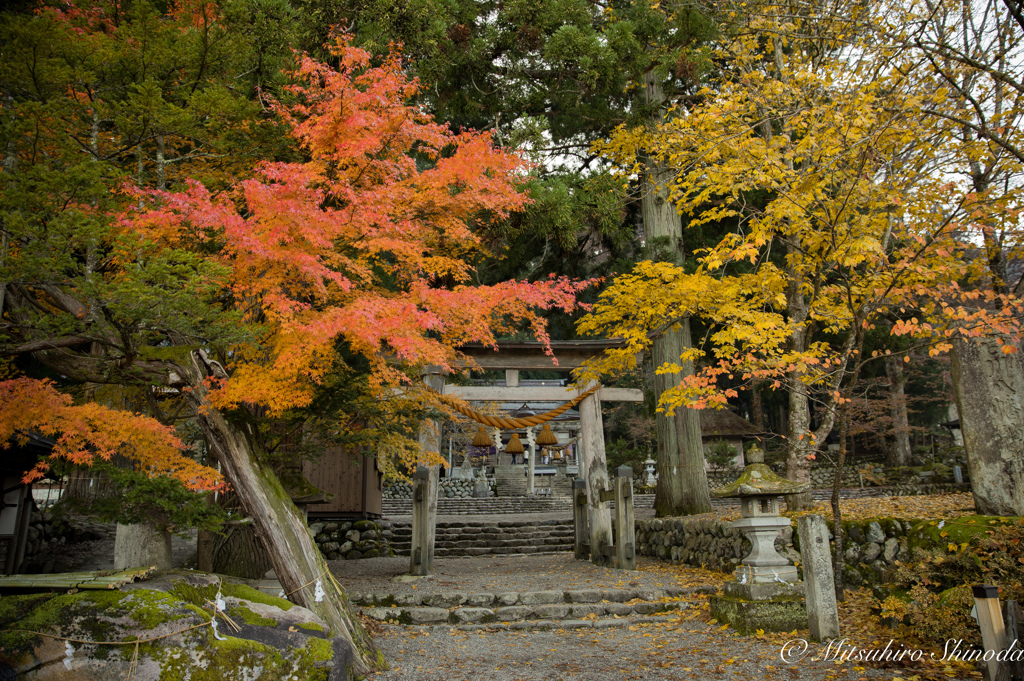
[594, 469]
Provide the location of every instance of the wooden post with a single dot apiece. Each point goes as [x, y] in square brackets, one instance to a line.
[990, 619]
[581, 532]
[430, 429]
[1012, 666]
[625, 540]
[424, 520]
[530, 464]
[599, 515]
[819, 586]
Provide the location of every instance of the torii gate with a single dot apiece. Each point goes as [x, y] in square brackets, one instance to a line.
[516, 356]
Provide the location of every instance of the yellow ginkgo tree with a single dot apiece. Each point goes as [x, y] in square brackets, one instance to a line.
[816, 156]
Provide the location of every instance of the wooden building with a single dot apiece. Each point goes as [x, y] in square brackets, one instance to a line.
[722, 424]
[17, 502]
[354, 480]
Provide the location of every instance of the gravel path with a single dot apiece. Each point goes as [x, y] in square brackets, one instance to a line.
[552, 572]
[679, 651]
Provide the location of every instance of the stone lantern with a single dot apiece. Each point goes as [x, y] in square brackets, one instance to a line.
[766, 594]
[650, 478]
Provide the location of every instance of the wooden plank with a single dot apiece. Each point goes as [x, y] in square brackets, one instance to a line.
[568, 355]
[607, 495]
[100, 579]
[540, 393]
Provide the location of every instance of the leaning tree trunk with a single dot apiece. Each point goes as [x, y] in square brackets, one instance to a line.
[898, 452]
[682, 480]
[293, 554]
[988, 386]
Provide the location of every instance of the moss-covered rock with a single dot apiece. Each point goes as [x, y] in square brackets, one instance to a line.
[170, 618]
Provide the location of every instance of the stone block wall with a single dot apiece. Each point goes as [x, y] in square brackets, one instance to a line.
[821, 477]
[872, 547]
[353, 539]
[448, 488]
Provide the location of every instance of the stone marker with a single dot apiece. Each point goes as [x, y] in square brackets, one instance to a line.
[819, 586]
[424, 520]
[625, 525]
[958, 475]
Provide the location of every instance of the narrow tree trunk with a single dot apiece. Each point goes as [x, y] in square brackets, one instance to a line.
[839, 557]
[757, 406]
[801, 447]
[988, 386]
[682, 487]
[239, 552]
[682, 480]
[292, 552]
[898, 453]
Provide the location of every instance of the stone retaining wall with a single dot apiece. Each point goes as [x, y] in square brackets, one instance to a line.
[448, 488]
[353, 539]
[821, 477]
[872, 546]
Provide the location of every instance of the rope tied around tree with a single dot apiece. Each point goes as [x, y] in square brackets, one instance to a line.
[511, 423]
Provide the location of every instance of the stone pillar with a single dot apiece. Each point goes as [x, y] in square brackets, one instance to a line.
[424, 520]
[819, 585]
[625, 525]
[599, 515]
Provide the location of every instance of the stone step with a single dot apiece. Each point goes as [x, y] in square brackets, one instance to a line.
[518, 533]
[502, 537]
[517, 503]
[522, 610]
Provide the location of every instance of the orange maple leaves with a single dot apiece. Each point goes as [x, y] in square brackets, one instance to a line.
[85, 432]
[367, 241]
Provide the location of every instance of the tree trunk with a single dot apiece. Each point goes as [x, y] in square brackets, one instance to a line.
[988, 386]
[898, 453]
[757, 406]
[142, 545]
[682, 480]
[295, 558]
[801, 447]
[239, 552]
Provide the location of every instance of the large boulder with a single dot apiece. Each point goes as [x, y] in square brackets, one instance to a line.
[48, 636]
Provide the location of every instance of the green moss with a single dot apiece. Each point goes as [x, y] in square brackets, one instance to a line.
[249, 617]
[196, 595]
[311, 626]
[248, 593]
[928, 534]
[96, 615]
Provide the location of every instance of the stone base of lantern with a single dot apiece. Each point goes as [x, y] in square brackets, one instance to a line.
[748, 608]
[767, 574]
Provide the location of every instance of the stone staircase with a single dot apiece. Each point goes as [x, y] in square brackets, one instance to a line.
[543, 485]
[561, 506]
[592, 608]
[500, 537]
